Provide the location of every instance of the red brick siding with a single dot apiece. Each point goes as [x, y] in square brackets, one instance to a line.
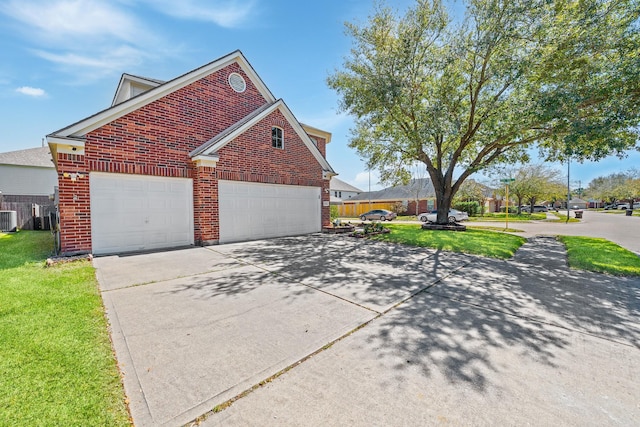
[205, 205]
[322, 144]
[251, 157]
[75, 218]
[157, 138]
[422, 207]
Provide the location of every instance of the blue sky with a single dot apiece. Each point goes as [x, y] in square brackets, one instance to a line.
[62, 59]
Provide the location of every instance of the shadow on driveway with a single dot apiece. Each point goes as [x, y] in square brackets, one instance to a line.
[448, 337]
[524, 341]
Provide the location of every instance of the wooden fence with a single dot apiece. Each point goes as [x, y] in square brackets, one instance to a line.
[349, 209]
[31, 216]
[356, 209]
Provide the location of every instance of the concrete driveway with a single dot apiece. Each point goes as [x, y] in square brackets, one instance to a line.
[396, 335]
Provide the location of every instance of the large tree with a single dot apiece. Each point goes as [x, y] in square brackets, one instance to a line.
[460, 96]
[617, 186]
[533, 183]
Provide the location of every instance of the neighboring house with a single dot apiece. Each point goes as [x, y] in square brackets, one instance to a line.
[578, 204]
[27, 176]
[340, 191]
[27, 180]
[418, 194]
[208, 157]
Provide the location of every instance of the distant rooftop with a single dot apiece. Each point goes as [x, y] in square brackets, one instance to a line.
[39, 157]
[339, 185]
[421, 188]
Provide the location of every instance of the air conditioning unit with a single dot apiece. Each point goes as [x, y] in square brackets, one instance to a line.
[8, 220]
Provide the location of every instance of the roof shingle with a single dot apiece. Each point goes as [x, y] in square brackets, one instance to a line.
[39, 157]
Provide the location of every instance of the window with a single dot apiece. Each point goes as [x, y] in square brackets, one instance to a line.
[276, 137]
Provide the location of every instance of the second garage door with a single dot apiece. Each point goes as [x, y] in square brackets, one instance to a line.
[250, 211]
[137, 212]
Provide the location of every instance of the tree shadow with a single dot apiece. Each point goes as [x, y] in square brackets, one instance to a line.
[367, 273]
[465, 317]
[492, 315]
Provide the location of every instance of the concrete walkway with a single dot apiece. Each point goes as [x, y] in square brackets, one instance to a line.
[615, 227]
[398, 336]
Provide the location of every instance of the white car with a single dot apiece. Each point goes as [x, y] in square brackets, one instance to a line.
[454, 216]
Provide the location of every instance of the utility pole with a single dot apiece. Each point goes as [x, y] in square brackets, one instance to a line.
[568, 188]
[506, 182]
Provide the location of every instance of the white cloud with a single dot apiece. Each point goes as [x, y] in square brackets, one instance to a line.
[225, 13]
[31, 91]
[68, 21]
[329, 120]
[87, 39]
[363, 178]
[97, 65]
[91, 39]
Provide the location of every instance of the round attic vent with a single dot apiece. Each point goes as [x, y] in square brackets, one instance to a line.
[237, 83]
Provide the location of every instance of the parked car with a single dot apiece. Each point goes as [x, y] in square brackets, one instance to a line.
[454, 216]
[379, 214]
[536, 208]
[623, 206]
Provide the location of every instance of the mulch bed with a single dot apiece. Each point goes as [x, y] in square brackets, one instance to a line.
[449, 227]
[64, 259]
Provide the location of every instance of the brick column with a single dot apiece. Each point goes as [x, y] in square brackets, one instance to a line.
[326, 210]
[206, 219]
[74, 205]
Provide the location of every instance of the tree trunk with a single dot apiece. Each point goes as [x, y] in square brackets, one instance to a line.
[532, 204]
[443, 200]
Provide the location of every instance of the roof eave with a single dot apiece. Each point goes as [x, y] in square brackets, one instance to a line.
[106, 116]
[279, 104]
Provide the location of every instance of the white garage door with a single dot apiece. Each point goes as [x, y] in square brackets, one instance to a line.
[250, 211]
[136, 212]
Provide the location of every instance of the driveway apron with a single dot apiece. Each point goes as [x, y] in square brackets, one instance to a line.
[193, 328]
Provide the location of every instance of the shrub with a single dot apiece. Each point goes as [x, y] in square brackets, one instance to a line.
[472, 208]
[334, 212]
[398, 208]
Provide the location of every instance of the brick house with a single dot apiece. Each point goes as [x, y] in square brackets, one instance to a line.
[208, 157]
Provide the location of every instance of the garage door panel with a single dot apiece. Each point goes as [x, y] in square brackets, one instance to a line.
[254, 211]
[137, 212]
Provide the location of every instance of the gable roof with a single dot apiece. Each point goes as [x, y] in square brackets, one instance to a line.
[38, 157]
[339, 185]
[81, 128]
[211, 147]
[421, 187]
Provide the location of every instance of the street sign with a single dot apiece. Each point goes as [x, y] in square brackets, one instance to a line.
[507, 180]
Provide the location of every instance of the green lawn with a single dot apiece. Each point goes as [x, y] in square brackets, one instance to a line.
[600, 255]
[472, 241]
[560, 220]
[56, 359]
[636, 212]
[496, 228]
[512, 217]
